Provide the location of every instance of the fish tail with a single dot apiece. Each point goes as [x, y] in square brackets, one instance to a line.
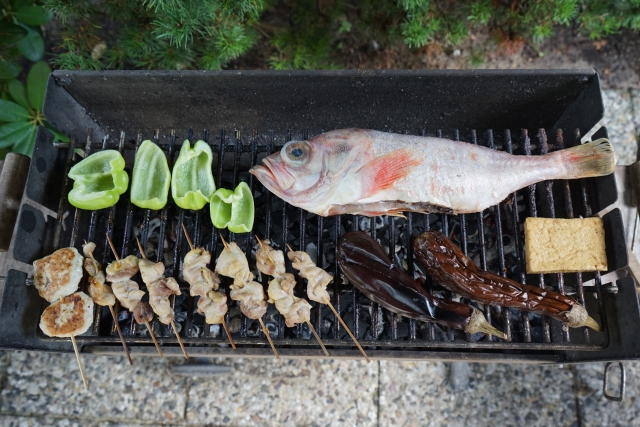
[595, 158]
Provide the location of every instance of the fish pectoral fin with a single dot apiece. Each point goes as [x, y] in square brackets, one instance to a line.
[382, 172]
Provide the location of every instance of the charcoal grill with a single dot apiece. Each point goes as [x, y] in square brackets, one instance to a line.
[246, 115]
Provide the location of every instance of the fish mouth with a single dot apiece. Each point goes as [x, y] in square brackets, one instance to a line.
[271, 176]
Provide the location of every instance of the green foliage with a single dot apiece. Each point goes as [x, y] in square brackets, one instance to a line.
[302, 34]
[21, 112]
[20, 34]
[155, 34]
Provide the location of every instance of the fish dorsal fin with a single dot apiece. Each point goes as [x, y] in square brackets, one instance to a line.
[382, 172]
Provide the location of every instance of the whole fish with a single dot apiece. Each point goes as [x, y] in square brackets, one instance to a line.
[366, 172]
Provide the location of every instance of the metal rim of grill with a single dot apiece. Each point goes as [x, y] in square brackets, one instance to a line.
[481, 236]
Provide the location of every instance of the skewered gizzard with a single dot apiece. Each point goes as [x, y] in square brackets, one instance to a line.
[160, 289]
[99, 291]
[317, 281]
[250, 294]
[128, 293]
[204, 283]
[295, 310]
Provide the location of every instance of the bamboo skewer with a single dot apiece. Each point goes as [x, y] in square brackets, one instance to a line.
[75, 348]
[224, 323]
[115, 320]
[327, 302]
[173, 325]
[265, 331]
[113, 313]
[344, 325]
[153, 337]
[313, 330]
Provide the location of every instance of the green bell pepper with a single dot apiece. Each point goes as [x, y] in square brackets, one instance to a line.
[151, 177]
[192, 179]
[233, 209]
[99, 180]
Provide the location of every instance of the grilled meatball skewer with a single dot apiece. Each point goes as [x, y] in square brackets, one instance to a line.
[141, 310]
[317, 281]
[232, 263]
[160, 289]
[99, 291]
[204, 283]
[295, 310]
[56, 277]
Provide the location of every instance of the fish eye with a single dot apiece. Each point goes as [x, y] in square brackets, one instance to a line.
[296, 152]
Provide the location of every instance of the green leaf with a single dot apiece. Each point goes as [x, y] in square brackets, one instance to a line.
[10, 133]
[37, 83]
[4, 152]
[20, 4]
[32, 46]
[33, 15]
[58, 136]
[12, 112]
[18, 92]
[25, 145]
[8, 69]
[11, 33]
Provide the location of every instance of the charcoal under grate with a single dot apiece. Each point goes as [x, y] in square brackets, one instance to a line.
[493, 239]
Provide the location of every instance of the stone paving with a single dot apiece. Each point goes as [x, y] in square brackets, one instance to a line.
[46, 389]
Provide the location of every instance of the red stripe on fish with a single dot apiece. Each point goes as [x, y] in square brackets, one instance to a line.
[382, 172]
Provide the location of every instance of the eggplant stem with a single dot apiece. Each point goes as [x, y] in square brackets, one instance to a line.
[477, 323]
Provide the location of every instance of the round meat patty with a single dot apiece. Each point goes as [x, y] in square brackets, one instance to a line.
[71, 315]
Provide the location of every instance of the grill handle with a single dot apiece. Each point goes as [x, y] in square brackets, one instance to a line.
[12, 181]
[605, 383]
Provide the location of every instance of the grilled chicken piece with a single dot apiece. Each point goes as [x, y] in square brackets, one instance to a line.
[233, 263]
[99, 291]
[295, 310]
[128, 293]
[122, 269]
[71, 315]
[160, 289]
[317, 278]
[280, 291]
[270, 261]
[143, 312]
[204, 283]
[195, 272]
[213, 306]
[119, 273]
[250, 294]
[58, 274]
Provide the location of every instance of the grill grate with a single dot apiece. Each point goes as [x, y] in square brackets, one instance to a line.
[491, 238]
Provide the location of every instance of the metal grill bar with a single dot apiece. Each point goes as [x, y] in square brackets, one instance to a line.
[382, 334]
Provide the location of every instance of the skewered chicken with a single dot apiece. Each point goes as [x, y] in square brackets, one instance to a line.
[317, 278]
[232, 263]
[271, 262]
[160, 289]
[119, 273]
[58, 274]
[143, 313]
[99, 291]
[71, 315]
[204, 283]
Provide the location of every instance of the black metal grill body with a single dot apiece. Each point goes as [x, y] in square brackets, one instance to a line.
[246, 115]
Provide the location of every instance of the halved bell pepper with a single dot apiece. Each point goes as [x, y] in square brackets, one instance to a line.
[233, 209]
[99, 180]
[192, 179]
[151, 177]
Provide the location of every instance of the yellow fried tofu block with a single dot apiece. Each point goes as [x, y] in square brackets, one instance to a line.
[564, 245]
